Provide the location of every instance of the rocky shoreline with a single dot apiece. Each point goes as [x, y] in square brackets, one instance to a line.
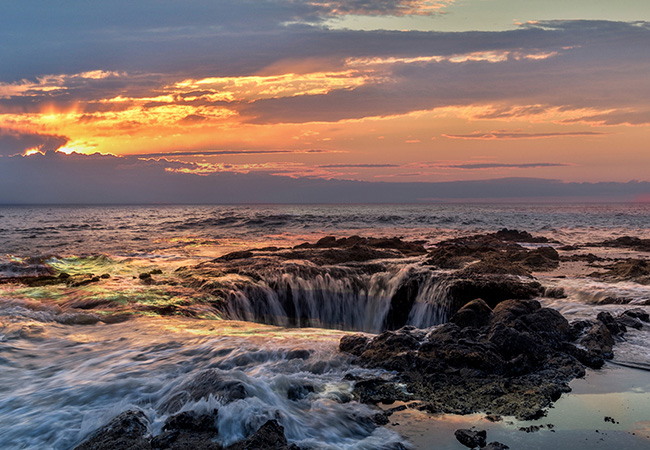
[497, 350]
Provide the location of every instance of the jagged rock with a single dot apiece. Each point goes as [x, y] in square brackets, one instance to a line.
[188, 431]
[614, 327]
[236, 255]
[125, 432]
[377, 390]
[471, 438]
[190, 421]
[542, 258]
[598, 340]
[354, 343]
[638, 313]
[497, 253]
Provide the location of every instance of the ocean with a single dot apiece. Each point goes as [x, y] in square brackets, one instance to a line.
[74, 356]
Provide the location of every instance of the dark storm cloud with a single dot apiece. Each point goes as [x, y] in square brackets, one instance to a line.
[148, 46]
[97, 179]
[15, 143]
[574, 65]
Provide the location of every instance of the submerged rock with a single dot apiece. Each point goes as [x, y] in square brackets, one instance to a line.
[631, 242]
[637, 270]
[211, 382]
[495, 446]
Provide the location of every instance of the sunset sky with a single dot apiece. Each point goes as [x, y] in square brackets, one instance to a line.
[377, 91]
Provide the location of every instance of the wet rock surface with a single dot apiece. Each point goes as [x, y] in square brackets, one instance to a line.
[126, 431]
[471, 438]
[515, 359]
[184, 431]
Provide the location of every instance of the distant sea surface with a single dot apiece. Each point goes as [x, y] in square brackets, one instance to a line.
[186, 231]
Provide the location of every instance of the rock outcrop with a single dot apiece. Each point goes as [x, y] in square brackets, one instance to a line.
[514, 359]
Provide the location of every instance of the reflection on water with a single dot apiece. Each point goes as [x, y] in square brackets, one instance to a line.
[577, 420]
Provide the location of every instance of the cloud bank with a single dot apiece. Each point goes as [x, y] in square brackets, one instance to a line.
[55, 178]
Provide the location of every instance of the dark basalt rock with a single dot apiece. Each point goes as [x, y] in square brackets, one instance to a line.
[355, 344]
[519, 236]
[474, 314]
[598, 341]
[125, 432]
[513, 360]
[236, 255]
[183, 431]
[471, 438]
[625, 321]
[497, 253]
[401, 304]
[270, 436]
[299, 353]
[638, 313]
[395, 243]
[612, 324]
[188, 431]
[191, 421]
[492, 289]
[496, 446]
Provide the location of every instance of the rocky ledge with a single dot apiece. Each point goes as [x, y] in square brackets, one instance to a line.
[515, 359]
